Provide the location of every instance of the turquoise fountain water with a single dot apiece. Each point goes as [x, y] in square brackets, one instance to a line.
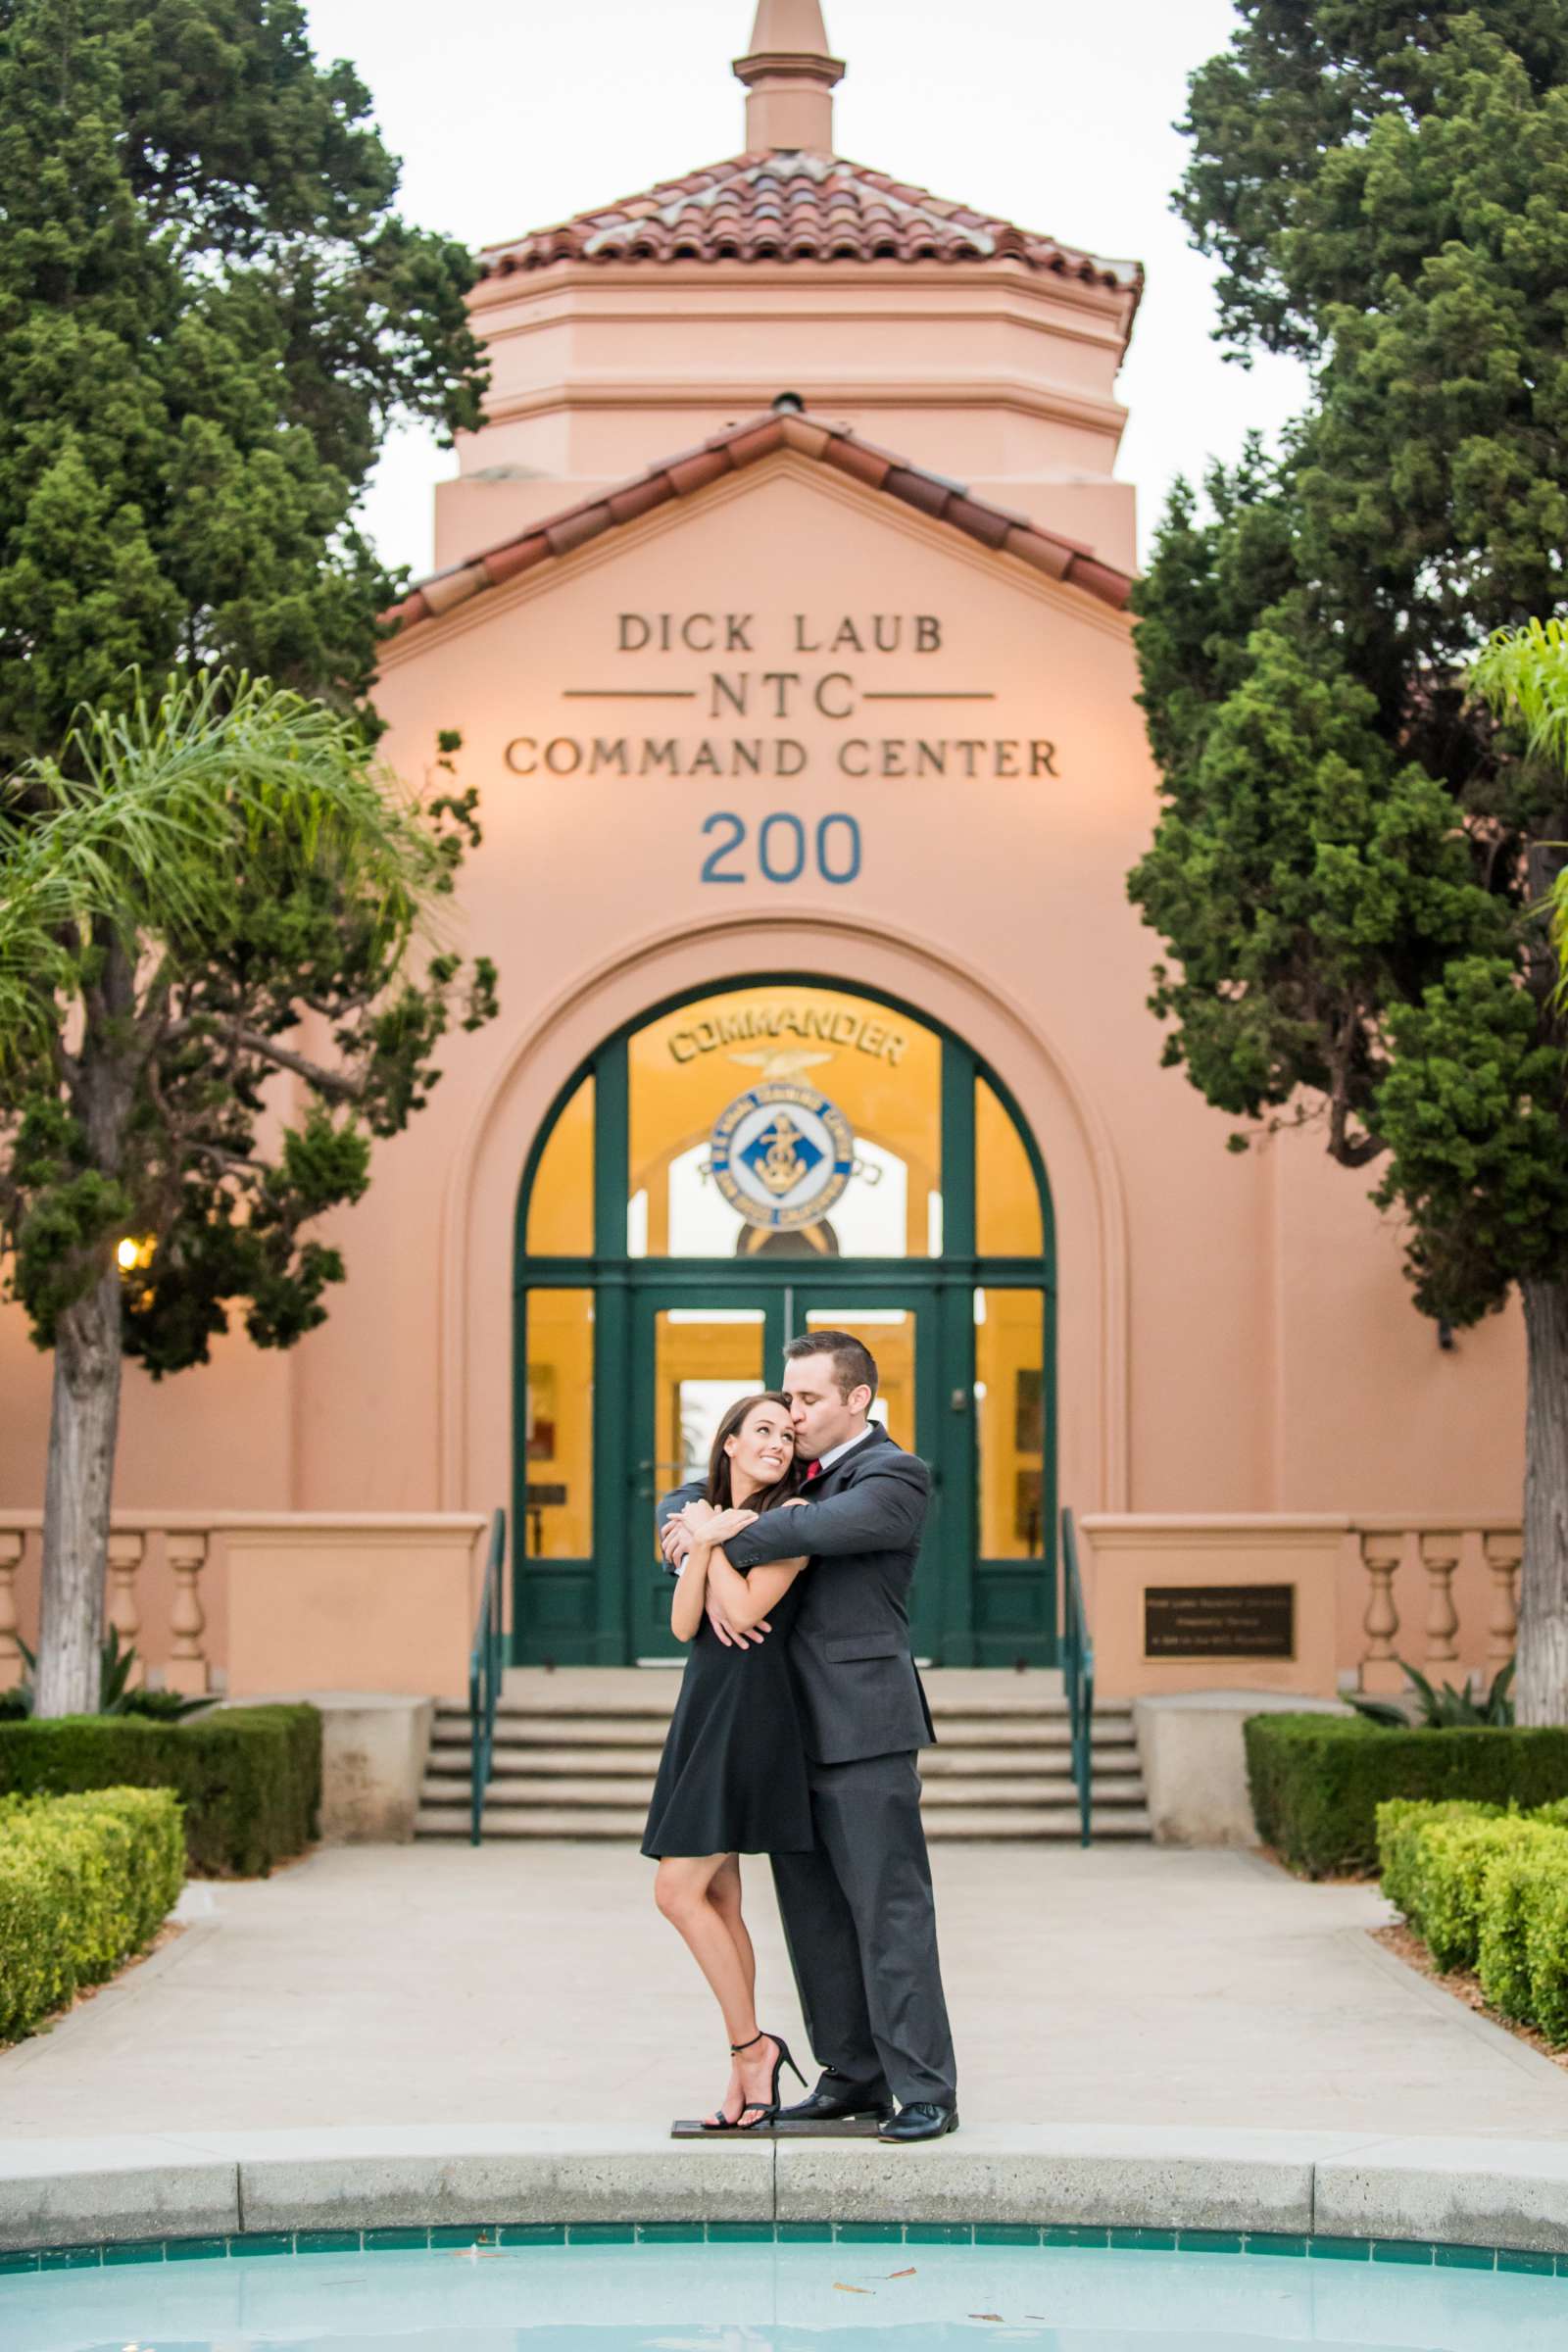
[840, 2297]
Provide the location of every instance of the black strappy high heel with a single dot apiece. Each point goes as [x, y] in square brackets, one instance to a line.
[723, 2122]
[726, 2122]
[764, 2112]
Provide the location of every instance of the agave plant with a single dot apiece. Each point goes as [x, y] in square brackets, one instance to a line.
[115, 1696]
[1427, 1710]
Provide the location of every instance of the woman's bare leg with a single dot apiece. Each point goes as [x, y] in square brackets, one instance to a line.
[724, 1894]
[683, 1887]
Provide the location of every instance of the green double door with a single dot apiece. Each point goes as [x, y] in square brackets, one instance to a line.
[698, 1343]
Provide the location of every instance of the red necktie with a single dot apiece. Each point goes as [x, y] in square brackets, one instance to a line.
[813, 1470]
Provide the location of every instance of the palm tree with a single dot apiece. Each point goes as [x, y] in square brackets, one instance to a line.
[198, 874]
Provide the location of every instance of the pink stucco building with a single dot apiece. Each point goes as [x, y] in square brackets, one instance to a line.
[781, 603]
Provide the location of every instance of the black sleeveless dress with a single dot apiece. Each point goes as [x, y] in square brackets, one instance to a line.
[732, 1777]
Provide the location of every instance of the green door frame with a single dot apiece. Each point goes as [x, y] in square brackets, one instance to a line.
[821, 1283]
[971, 1611]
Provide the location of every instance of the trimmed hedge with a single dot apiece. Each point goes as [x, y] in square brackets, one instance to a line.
[1488, 1890]
[84, 1882]
[1317, 1781]
[249, 1778]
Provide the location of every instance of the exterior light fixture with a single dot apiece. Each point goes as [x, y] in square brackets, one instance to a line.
[788, 404]
[133, 1256]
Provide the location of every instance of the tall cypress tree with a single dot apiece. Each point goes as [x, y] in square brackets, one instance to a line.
[210, 312]
[1355, 850]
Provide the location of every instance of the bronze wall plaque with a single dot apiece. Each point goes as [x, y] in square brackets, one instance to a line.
[1219, 1621]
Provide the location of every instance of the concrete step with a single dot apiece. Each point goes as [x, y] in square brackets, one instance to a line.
[514, 1758]
[591, 1689]
[1059, 1823]
[655, 1709]
[1056, 1823]
[527, 1755]
[560, 1730]
[574, 1757]
[1028, 1731]
[938, 1795]
[1003, 1708]
[1022, 1763]
[1112, 1728]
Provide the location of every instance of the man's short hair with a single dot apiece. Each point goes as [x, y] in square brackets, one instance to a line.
[854, 1364]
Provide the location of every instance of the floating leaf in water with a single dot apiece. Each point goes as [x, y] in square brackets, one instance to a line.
[909, 2274]
[987, 2315]
[853, 2290]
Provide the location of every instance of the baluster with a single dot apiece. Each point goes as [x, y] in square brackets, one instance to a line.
[124, 1611]
[187, 1664]
[1504, 1555]
[11, 1665]
[1380, 1668]
[1440, 1556]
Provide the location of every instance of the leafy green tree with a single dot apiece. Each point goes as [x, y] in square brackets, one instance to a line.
[219, 983]
[209, 314]
[1355, 850]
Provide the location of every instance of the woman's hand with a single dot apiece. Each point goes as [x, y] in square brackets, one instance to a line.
[696, 1517]
[720, 1526]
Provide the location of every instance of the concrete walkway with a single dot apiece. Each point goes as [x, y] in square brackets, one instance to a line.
[536, 1986]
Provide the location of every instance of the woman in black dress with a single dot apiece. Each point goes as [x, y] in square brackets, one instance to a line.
[732, 1777]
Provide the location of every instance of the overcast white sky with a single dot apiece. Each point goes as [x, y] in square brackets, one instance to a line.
[509, 113]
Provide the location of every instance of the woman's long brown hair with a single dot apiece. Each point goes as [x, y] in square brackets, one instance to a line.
[721, 1485]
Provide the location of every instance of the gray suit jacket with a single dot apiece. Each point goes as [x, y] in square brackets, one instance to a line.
[849, 1651]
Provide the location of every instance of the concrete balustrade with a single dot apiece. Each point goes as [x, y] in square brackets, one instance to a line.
[11, 1661]
[186, 1670]
[1449, 1641]
[1369, 1591]
[1504, 1554]
[121, 1611]
[255, 1602]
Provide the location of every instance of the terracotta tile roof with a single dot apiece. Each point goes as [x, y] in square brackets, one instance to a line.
[729, 452]
[795, 207]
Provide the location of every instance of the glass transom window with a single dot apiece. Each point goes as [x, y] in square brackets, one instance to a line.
[784, 1120]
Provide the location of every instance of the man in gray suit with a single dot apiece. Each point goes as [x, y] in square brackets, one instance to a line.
[858, 1914]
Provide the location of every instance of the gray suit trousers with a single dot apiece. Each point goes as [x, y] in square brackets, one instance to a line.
[861, 1924]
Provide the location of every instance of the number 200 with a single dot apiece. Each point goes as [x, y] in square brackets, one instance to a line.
[781, 847]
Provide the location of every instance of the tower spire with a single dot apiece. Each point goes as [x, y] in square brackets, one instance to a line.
[790, 77]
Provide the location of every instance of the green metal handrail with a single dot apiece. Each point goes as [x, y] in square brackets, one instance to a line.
[486, 1664]
[1078, 1673]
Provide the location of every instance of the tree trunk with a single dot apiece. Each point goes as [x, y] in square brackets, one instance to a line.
[84, 1425]
[1541, 1691]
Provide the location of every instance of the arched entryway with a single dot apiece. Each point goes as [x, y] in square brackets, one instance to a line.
[777, 1155]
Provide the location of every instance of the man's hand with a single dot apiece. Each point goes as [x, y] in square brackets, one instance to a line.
[727, 1633]
[675, 1541]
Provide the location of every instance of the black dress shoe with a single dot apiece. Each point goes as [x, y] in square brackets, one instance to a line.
[920, 2120]
[838, 2101]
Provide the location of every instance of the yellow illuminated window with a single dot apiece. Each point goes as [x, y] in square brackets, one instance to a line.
[777, 1119]
[704, 1362]
[1011, 1422]
[558, 1506]
[1006, 1201]
[561, 1210]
